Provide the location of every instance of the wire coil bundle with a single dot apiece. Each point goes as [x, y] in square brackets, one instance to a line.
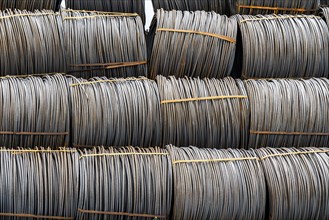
[30, 5]
[38, 183]
[35, 111]
[284, 46]
[256, 7]
[197, 44]
[115, 112]
[325, 13]
[125, 6]
[204, 113]
[32, 43]
[288, 113]
[109, 44]
[297, 182]
[217, 184]
[125, 183]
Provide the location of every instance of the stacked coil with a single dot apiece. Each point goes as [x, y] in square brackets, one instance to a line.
[34, 111]
[30, 5]
[325, 14]
[288, 113]
[205, 113]
[297, 182]
[196, 44]
[115, 112]
[125, 183]
[32, 43]
[38, 183]
[104, 44]
[217, 184]
[255, 7]
[279, 46]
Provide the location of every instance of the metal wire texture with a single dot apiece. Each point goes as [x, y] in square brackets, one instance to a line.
[30, 5]
[288, 113]
[297, 183]
[197, 44]
[324, 2]
[325, 14]
[34, 111]
[125, 183]
[205, 113]
[217, 184]
[284, 46]
[38, 183]
[32, 42]
[115, 112]
[104, 44]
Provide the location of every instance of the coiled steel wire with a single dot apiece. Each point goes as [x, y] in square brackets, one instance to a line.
[297, 182]
[30, 5]
[255, 7]
[325, 14]
[217, 184]
[197, 44]
[34, 111]
[115, 112]
[324, 2]
[99, 44]
[38, 183]
[288, 113]
[204, 113]
[125, 183]
[284, 46]
[32, 43]
[126, 6]
[218, 6]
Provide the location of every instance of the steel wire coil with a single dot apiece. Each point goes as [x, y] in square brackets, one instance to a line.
[125, 183]
[32, 43]
[207, 188]
[297, 183]
[30, 5]
[324, 2]
[288, 113]
[218, 117]
[280, 46]
[38, 182]
[125, 6]
[325, 14]
[196, 44]
[255, 7]
[115, 112]
[99, 44]
[34, 111]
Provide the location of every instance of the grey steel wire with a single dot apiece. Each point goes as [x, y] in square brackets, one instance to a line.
[296, 110]
[34, 105]
[101, 40]
[325, 14]
[30, 5]
[217, 190]
[32, 43]
[38, 183]
[187, 54]
[221, 123]
[124, 112]
[284, 46]
[297, 185]
[129, 183]
[324, 2]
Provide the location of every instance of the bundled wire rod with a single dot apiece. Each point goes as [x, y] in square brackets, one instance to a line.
[31, 43]
[110, 44]
[115, 112]
[297, 182]
[325, 14]
[197, 44]
[34, 111]
[205, 113]
[255, 7]
[278, 46]
[125, 183]
[30, 5]
[288, 113]
[324, 2]
[125, 6]
[38, 184]
[217, 184]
